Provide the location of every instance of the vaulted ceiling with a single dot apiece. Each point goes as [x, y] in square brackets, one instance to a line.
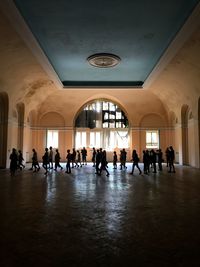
[138, 31]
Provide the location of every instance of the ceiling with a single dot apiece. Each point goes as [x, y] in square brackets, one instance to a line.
[138, 31]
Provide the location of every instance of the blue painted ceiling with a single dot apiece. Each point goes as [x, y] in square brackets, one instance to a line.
[138, 31]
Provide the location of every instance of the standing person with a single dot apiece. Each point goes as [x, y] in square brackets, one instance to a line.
[57, 160]
[135, 160]
[98, 161]
[146, 161]
[84, 156]
[94, 156]
[153, 160]
[50, 157]
[104, 163]
[35, 163]
[73, 158]
[78, 158]
[13, 162]
[20, 160]
[68, 157]
[45, 159]
[123, 154]
[171, 159]
[167, 156]
[114, 160]
[160, 159]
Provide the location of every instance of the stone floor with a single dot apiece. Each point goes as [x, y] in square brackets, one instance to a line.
[86, 220]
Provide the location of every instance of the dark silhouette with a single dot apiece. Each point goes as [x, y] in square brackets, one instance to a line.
[68, 157]
[98, 160]
[94, 156]
[153, 160]
[73, 158]
[13, 162]
[167, 156]
[84, 156]
[135, 160]
[146, 161]
[160, 159]
[114, 160]
[57, 160]
[104, 163]
[171, 159]
[20, 160]
[35, 163]
[123, 154]
[45, 160]
[50, 157]
[78, 158]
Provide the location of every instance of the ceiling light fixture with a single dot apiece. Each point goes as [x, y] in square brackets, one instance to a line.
[103, 60]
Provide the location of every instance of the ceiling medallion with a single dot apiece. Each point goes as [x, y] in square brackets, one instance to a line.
[103, 60]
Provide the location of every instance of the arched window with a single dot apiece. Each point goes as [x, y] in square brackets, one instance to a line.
[102, 124]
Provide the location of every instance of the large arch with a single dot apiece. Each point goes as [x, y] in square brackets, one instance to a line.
[101, 123]
[20, 111]
[4, 104]
[184, 129]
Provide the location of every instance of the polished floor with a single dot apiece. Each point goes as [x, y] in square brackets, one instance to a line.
[87, 220]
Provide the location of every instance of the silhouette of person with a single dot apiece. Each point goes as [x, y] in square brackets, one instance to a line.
[104, 163]
[35, 163]
[50, 157]
[13, 162]
[20, 160]
[68, 157]
[45, 160]
[94, 156]
[167, 156]
[114, 160]
[78, 159]
[153, 160]
[171, 159]
[57, 160]
[123, 154]
[146, 161]
[135, 160]
[73, 158]
[84, 156]
[160, 159]
[98, 160]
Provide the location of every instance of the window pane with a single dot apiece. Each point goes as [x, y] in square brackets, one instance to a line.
[52, 138]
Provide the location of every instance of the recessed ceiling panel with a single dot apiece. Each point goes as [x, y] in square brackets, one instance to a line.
[136, 31]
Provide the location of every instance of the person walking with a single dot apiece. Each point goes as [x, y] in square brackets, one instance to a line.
[57, 160]
[171, 159]
[13, 162]
[104, 164]
[35, 163]
[68, 157]
[45, 160]
[114, 160]
[135, 160]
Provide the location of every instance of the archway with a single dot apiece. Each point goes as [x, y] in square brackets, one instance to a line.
[20, 111]
[101, 123]
[4, 103]
[184, 125]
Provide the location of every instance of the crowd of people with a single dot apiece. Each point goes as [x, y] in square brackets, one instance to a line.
[152, 160]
